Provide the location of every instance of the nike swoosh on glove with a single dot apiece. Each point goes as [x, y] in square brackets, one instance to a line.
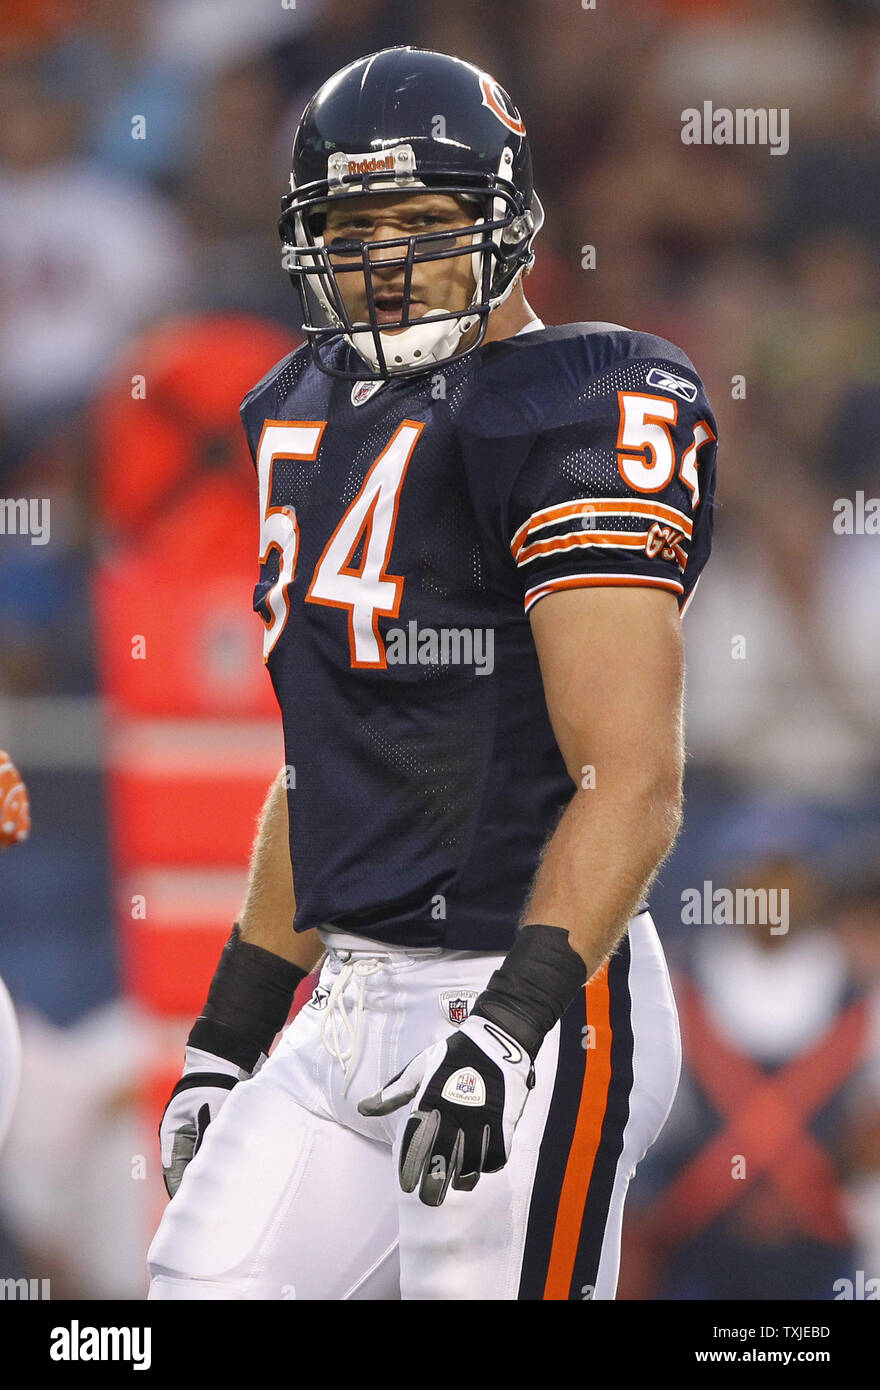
[193, 1104]
[469, 1093]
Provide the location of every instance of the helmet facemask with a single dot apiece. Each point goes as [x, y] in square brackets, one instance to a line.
[499, 247]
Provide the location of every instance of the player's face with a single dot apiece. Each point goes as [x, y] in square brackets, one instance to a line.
[443, 284]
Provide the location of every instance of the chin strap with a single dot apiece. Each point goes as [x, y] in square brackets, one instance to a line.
[424, 342]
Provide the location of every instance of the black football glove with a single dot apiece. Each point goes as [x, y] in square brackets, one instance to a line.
[192, 1105]
[248, 1003]
[469, 1093]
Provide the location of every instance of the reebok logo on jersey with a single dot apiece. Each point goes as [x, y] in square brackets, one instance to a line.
[456, 1004]
[665, 381]
[465, 1087]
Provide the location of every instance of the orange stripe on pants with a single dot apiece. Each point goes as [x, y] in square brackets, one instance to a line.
[585, 1142]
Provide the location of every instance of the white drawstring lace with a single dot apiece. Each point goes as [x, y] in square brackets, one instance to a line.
[347, 1030]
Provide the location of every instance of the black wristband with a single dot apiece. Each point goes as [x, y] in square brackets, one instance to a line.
[248, 1002]
[530, 991]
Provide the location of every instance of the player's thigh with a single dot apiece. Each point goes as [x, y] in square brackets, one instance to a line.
[547, 1226]
[279, 1203]
[471, 1246]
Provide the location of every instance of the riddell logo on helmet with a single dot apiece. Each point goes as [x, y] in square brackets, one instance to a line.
[369, 164]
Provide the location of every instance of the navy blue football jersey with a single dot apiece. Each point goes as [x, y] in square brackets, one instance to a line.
[408, 528]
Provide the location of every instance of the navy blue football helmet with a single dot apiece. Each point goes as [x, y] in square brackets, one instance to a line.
[399, 121]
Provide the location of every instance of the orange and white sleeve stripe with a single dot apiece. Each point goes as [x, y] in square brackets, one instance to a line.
[525, 548]
[584, 581]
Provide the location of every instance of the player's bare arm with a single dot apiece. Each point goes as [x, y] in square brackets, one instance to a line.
[613, 669]
[250, 995]
[270, 905]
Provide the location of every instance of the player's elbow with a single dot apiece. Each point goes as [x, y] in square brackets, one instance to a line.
[661, 799]
[667, 815]
[647, 800]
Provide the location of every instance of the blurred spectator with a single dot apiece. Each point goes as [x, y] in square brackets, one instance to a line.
[855, 914]
[111, 60]
[784, 648]
[201, 37]
[743, 54]
[237, 167]
[84, 258]
[746, 1190]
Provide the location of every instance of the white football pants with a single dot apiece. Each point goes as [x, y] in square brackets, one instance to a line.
[293, 1194]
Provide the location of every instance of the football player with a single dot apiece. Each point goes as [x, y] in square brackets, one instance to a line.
[479, 534]
[15, 824]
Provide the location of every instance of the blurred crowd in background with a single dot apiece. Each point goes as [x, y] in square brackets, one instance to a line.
[766, 270]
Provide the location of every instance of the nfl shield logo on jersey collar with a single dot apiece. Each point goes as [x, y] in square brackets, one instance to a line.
[456, 1004]
[363, 390]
